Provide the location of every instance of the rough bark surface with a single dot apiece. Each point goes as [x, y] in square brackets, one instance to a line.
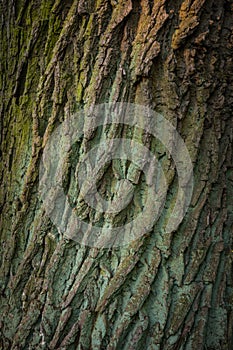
[163, 291]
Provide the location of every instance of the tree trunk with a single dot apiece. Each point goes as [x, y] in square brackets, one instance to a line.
[163, 290]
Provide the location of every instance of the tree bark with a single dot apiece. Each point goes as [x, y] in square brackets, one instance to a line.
[162, 291]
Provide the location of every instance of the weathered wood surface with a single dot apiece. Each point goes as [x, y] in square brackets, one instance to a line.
[164, 291]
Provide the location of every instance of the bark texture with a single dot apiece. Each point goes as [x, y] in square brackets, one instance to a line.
[163, 291]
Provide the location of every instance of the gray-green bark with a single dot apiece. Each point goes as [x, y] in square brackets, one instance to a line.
[163, 291]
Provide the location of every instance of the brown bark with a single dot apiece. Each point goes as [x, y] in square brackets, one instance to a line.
[162, 291]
